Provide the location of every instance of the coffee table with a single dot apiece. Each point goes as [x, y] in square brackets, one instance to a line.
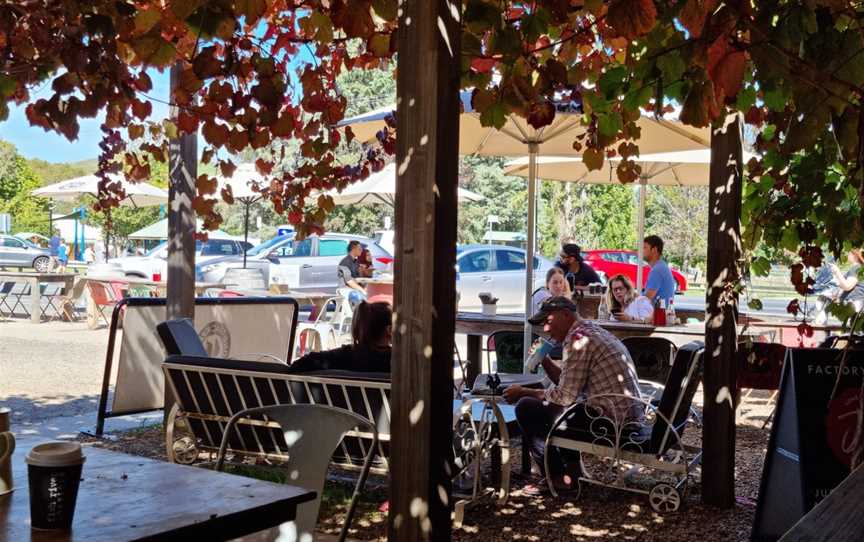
[125, 497]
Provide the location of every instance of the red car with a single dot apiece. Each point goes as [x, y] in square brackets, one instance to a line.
[614, 262]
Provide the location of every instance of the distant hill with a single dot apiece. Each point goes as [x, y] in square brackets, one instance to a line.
[51, 172]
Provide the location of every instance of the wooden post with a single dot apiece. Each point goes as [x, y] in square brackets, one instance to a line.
[183, 170]
[721, 335]
[421, 453]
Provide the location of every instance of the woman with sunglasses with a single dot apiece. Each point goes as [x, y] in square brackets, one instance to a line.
[625, 305]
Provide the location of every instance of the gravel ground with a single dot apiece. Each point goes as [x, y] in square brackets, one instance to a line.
[597, 514]
[50, 369]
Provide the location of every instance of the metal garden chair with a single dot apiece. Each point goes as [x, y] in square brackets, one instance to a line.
[312, 433]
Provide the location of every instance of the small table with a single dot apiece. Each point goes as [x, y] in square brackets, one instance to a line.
[316, 299]
[125, 497]
[34, 279]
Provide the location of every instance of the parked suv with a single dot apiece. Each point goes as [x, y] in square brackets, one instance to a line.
[497, 269]
[308, 264]
[614, 262]
[155, 260]
[16, 252]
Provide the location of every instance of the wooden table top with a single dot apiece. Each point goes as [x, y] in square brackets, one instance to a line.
[42, 277]
[125, 497]
[374, 280]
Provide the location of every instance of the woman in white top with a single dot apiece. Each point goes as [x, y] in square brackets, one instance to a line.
[556, 285]
[625, 305]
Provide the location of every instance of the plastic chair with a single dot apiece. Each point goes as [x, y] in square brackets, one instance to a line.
[103, 297]
[312, 433]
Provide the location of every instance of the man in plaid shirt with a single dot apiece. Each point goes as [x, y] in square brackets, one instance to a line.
[595, 362]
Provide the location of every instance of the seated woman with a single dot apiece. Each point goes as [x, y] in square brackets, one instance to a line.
[853, 289]
[625, 305]
[369, 351]
[556, 285]
[364, 263]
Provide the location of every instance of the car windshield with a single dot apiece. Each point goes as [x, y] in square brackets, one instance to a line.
[267, 246]
[155, 250]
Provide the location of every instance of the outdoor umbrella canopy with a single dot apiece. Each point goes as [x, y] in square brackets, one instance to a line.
[685, 168]
[518, 138]
[137, 194]
[242, 182]
[380, 188]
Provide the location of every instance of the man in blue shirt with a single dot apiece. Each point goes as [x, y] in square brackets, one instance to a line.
[54, 249]
[661, 284]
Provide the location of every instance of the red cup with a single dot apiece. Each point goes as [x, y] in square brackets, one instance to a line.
[157, 277]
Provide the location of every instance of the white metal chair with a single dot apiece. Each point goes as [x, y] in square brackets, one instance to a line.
[329, 329]
[312, 434]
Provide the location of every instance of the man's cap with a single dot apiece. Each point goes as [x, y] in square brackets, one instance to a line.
[558, 303]
[572, 249]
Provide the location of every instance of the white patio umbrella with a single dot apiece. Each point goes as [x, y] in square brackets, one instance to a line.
[137, 194]
[242, 184]
[517, 138]
[380, 188]
[685, 168]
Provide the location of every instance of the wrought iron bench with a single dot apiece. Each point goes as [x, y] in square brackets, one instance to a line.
[618, 448]
[209, 391]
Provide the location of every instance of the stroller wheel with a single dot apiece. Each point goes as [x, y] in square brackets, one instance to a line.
[664, 498]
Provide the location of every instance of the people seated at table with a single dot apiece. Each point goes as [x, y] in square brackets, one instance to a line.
[625, 304]
[852, 288]
[349, 270]
[660, 284]
[576, 270]
[370, 348]
[556, 285]
[364, 263]
[595, 362]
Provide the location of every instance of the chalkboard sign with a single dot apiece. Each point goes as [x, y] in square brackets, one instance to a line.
[810, 448]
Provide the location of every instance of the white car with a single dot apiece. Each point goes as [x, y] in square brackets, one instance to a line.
[497, 269]
[309, 264]
[155, 261]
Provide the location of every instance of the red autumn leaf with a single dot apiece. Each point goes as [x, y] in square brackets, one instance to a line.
[228, 195]
[726, 67]
[694, 15]
[186, 122]
[805, 329]
[238, 139]
[631, 18]
[227, 168]
[541, 114]
[141, 109]
[483, 65]
[700, 105]
[215, 134]
[206, 184]
[263, 166]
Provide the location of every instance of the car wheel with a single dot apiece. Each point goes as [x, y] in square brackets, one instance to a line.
[42, 264]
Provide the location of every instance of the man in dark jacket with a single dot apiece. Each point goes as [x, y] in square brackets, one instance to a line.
[577, 272]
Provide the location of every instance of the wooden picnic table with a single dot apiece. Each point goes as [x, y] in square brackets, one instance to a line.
[126, 497]
[34, 279]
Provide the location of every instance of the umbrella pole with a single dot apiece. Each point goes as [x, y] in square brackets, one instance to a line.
[245, 232]
[533, 149]
[641, 232]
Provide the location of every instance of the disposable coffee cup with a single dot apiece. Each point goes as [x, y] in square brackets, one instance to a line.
[54, 473]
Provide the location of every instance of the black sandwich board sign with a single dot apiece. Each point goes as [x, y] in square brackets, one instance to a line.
[810, 447]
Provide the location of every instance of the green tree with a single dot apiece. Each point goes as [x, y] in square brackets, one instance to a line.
[17, 180]
[679, 215]
[505, 197]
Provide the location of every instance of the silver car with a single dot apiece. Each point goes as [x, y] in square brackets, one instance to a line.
[15, 252]
[309, 264]
[497, 269]
[155, 261]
